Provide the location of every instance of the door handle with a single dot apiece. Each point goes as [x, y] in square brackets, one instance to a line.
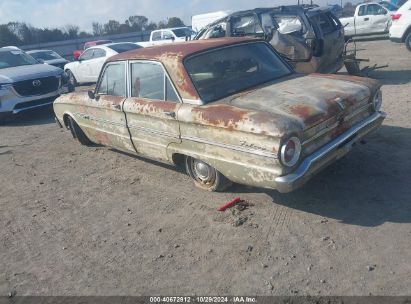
[366, 19]
[171, 114]
[118, 107]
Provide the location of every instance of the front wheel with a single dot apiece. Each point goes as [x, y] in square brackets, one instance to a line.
[78, 133]
[408, 41]
[205, 176]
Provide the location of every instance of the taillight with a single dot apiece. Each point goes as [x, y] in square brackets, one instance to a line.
[395, 17]
[290, 152]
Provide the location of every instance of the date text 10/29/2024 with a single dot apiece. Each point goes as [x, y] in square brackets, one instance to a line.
[199, 299]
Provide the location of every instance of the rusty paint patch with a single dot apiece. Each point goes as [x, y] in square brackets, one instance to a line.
[221, 115]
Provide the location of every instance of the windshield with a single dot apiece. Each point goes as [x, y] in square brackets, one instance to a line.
[183, 32]
[124, 47]
[9, 59]
[226, 71]
[46, 55]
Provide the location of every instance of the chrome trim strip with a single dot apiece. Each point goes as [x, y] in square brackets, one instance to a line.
[233, 147]
[197, 102]
[110, 122]
[151, 131]
[289, 182]
[32, 107]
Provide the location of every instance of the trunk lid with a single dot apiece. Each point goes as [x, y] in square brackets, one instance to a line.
[310, 99]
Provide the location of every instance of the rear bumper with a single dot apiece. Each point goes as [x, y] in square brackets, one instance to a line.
[329, 153]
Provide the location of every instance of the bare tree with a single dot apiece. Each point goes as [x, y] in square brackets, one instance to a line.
[98, 29]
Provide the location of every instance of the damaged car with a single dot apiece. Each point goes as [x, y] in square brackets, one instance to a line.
[309, 37]
[227, 110]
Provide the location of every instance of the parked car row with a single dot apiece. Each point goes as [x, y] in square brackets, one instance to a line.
[25, 83]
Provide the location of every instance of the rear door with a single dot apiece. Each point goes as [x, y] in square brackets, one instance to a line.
[152, 109]
[378, 18]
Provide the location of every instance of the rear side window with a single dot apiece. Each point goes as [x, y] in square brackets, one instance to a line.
[113, 81]
[326, 24]
[99, 53]
[148, 80]
[374, 9]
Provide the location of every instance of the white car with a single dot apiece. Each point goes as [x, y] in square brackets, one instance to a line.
[369, 18]
[400, 30]
[88, 66]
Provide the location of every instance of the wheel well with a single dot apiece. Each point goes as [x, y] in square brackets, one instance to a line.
[178, 159]
[406, 33]
[66, 120]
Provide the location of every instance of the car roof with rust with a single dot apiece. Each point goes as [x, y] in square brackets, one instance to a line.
[179, 50]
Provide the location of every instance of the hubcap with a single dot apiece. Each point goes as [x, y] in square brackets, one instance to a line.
[202, 171]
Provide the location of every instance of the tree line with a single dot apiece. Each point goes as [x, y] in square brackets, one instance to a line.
[20, 33]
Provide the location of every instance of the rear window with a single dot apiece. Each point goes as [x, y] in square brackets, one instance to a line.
[226, 71]
[124, 47]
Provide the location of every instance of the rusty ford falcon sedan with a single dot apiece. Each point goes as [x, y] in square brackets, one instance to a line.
[228, 110]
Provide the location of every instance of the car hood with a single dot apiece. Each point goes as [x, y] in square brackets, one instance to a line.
[26, 72]
[308, 99]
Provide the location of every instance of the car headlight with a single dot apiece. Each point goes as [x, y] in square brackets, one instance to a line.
[290, 151]
[377, 101]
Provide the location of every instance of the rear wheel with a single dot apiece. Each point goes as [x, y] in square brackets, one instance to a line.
[77, 132]
[72, 80]
[205, 176]
[408, 41]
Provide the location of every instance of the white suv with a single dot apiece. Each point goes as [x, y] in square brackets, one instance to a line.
[400, 30]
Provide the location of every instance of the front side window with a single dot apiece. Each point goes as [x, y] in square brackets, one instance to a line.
[246, 25]
[87, 55]
[361, 10]
[156, 36]
[148, 80]
[113, 80]
[215, 31]
[226, 71]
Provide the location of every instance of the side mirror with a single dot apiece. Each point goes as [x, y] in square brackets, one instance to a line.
[91, 95]
[40, 60]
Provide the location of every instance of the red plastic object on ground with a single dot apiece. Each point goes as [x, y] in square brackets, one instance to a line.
[229, 204]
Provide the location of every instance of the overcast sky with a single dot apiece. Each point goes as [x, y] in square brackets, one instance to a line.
[58, 13]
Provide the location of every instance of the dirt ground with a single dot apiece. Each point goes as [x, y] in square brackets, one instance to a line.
[87, 221]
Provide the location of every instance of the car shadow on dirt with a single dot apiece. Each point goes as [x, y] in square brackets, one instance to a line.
[369, 187]
[41, 116]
